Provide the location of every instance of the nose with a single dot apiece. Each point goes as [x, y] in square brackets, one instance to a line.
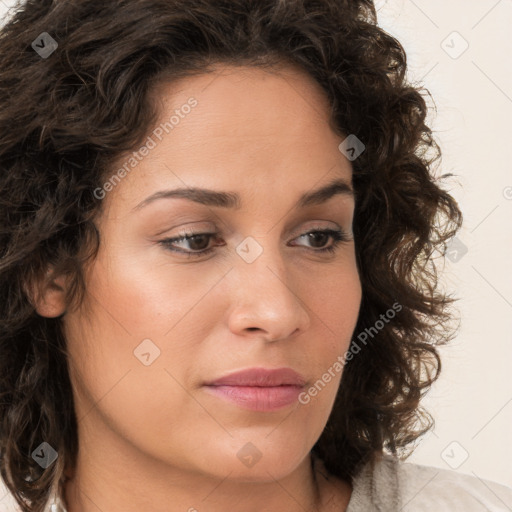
[265, 301]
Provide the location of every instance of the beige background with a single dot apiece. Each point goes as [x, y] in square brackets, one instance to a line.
[472, 89]
[472, 401]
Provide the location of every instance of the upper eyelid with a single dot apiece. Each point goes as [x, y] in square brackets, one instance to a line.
[212, 234]
[214, 230]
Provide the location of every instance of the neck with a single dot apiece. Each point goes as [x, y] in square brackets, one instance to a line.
[310, 487]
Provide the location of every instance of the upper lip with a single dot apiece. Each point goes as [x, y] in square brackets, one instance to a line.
[263, 377]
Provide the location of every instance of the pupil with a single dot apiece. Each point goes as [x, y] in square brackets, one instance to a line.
[193, 241]
[318, 235]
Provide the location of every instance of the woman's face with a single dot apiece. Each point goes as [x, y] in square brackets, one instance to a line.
[161, 321]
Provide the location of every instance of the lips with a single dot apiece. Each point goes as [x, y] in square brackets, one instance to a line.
[259, 389]
[261, 377]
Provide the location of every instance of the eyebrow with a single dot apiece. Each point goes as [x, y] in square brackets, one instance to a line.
[232, 199]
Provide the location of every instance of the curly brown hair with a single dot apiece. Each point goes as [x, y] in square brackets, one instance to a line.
[66, 117]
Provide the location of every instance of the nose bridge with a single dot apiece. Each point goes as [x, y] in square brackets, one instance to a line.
[261, 258]
[266, 298]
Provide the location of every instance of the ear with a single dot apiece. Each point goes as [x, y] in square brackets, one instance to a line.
[49, 299]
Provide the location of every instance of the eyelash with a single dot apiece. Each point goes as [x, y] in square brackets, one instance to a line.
[339, 236]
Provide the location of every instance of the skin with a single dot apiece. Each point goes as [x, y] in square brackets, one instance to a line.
[151, 437]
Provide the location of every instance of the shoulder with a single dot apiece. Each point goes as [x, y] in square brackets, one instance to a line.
[425, 487]
[389, 485]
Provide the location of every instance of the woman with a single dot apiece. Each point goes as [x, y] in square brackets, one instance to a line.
[218, 228]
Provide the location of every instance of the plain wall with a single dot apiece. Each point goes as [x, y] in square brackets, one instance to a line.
[472, 90]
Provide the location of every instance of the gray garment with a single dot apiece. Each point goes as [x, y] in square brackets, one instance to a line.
[393, 486]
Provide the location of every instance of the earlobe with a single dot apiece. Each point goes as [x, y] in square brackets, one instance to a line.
[50, 300]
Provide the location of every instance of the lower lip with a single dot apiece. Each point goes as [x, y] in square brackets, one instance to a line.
[255, 398]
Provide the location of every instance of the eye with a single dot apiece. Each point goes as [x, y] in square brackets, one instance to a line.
[199, 242]
[194, 239]
[338, 237]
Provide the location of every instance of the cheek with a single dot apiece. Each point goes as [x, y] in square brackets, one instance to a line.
[342, 310]
[126, 344]
[142, 292]
[334, 299]
[111, 380]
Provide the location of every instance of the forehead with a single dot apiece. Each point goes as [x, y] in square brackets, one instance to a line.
[247, 125]
[244, 104]
[229, 84]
